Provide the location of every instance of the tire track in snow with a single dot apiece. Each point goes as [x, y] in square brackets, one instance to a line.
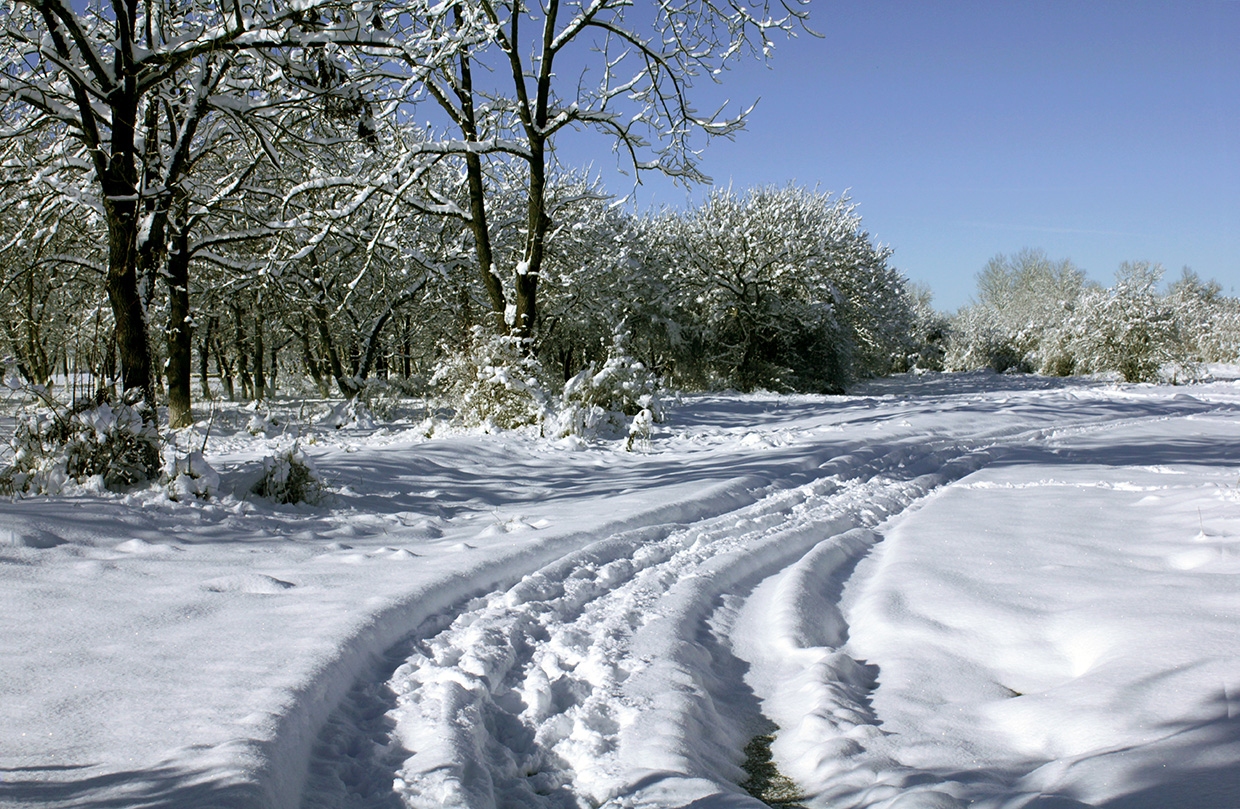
[599, 677]
[577, 684]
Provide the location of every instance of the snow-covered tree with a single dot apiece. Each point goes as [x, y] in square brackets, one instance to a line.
[786, 289]
[1018, 318]
[1129, 328]
[624, 70]
[137, 88]
[1209, 321]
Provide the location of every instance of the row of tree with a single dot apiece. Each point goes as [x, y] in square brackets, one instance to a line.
[261, 155]
[778, 288]
[1032, 313]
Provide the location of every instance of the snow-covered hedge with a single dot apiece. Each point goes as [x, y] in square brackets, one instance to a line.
[115, 445]
[1035, 315]
[603, 402]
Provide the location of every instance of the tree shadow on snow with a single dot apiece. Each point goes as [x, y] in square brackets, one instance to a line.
[158, 787]
[1191, 765]
[1206, 451]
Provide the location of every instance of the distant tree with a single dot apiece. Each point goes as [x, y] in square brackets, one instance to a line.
[1017, 318]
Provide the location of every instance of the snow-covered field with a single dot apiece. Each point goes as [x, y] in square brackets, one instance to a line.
[945, 591]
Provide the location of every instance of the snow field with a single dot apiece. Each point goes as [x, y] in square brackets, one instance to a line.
[898, 587]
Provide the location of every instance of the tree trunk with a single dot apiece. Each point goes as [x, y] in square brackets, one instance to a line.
[180, 343]
[526, 280]
[204, 356]
[371, 349]
[224, 368]
[260, 373]
[477, 194]
[243, 355]
[126, 302]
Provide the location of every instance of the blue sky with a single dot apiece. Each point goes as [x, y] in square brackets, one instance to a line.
[1099, 131]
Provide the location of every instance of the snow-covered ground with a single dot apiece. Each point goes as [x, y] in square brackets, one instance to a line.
[945, 591]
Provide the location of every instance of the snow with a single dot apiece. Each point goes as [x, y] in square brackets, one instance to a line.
[942, 591]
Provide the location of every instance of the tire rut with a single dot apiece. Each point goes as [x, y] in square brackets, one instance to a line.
[595, 679]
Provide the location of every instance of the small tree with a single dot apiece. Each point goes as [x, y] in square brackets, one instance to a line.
[1128, 328]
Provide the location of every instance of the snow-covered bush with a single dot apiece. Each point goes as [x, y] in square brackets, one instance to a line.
[603, 402]
[1128, 328]
[1020, 318]
[640, 430]
[290, 476]
[783, 289]
[492, 382]
[190, 477]
[1209, 322]
[116, 444]
[352, 413]
[389, 399]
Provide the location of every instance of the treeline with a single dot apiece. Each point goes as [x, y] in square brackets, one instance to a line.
[1034, 314]
[777, 288]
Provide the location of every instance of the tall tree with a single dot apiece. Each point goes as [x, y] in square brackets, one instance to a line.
[623, 69]
[134, 83]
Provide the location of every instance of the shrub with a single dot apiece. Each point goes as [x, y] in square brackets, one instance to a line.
[117, 444]
[190, 477]
[493, 382]
[1128, 328]
[603, 402]
[290, 476]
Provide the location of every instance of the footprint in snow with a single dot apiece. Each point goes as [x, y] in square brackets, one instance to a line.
[29, 538]
[257, 583]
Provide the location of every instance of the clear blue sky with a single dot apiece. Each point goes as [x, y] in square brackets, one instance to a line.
[1098, 131]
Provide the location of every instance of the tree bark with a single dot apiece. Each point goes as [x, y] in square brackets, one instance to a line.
[179, 336]
[125, 300]
[260, 373]
[204, 356]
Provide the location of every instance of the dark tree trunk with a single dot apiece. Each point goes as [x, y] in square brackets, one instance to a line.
[204, 357]
[126, 302]
[243, 355]
[180, 343]
[224, 368]
[406, 355]
[260, 373]
[373, 345]
[477, 195]
[312, 364]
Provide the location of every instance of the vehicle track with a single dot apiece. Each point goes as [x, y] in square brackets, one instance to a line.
[596, 679]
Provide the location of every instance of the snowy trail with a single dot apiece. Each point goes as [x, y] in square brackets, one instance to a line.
[595, 679]
[491, 621]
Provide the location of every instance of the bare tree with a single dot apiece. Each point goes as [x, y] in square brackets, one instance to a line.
[640, 63]
[136, 84]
